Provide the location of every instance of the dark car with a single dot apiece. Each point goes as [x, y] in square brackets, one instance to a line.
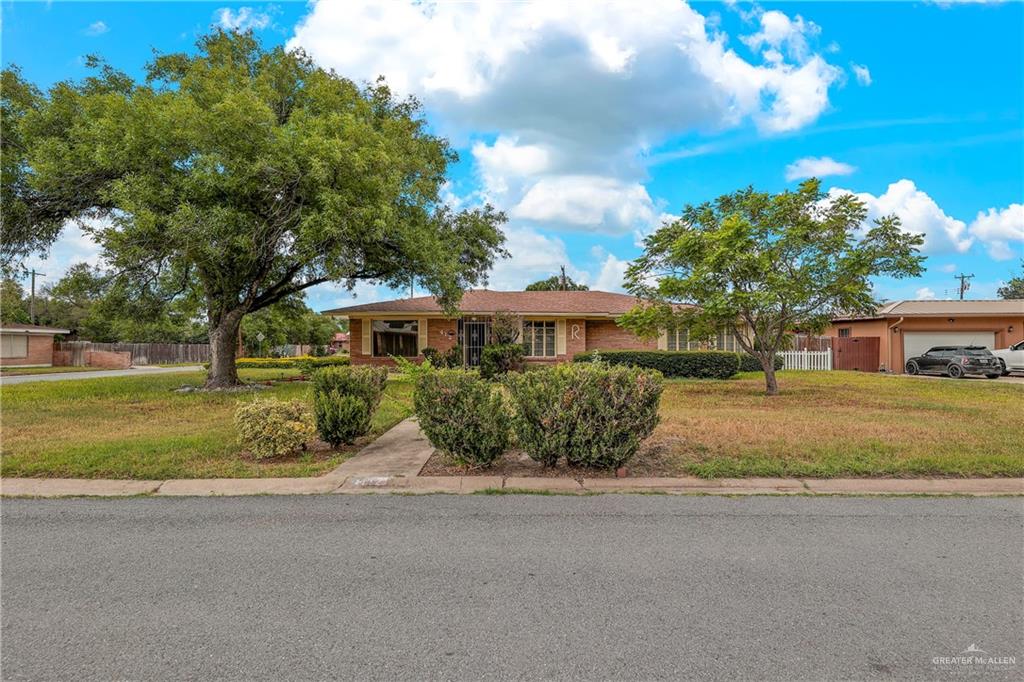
[956, 362]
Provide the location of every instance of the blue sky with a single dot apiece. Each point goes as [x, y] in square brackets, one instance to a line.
[591, 123]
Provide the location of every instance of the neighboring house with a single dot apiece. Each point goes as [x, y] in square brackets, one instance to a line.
[905, 329]
[556, 325]
[27, 345]
[340, 342]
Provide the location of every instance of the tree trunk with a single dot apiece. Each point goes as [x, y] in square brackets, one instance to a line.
[771, 385]
[223, 348]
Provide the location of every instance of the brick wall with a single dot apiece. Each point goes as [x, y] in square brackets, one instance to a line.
[442, 334]
[606, 335]
[108, 359]
[39, 351]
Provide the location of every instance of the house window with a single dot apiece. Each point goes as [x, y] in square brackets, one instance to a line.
[844, 332]
[13, 346]
[539, 338]
[395, 337]
[678, 339]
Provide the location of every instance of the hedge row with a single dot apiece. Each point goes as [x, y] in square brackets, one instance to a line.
[302, 362]
[693, 364]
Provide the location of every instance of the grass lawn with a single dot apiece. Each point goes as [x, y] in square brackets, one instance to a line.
[19, 371]
[137, 427]
[828, 424]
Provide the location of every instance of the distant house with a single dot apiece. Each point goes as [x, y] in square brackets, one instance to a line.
[27, 345]
[904, 329]
[340, 342]
[556, 325]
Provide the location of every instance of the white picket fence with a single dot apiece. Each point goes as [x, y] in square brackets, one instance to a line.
[807, 360]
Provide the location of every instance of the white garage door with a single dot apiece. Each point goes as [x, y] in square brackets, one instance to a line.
[916, 343]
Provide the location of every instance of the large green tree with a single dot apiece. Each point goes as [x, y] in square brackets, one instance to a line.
[556, 283]
[1015, 287]
[763, 265]
[248, 175]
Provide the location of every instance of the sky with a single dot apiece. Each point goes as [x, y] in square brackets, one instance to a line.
[590, 124]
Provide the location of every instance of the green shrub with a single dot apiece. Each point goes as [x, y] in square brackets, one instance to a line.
[695, 364]
[273, 428]
[344, 400]
[444, 359]
[302, 362]
[748, 363]
[462, 415]
[595, 414]
[499, 359]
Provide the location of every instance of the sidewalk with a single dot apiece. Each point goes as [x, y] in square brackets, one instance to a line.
[96, 374]
[391, 464]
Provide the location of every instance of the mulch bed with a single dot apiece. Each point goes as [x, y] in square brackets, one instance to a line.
[653, 459]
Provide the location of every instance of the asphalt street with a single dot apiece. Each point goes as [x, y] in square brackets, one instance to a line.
[516, 586]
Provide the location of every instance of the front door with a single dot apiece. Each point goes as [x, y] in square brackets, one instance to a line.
[474, 337]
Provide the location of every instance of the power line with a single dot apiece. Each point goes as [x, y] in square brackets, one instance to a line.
[964, 283]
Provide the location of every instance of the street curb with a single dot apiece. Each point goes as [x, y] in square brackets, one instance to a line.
[464, 485]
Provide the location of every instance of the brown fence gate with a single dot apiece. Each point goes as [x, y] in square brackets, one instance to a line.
[855, 352]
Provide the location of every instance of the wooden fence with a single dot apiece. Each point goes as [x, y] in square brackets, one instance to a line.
[809, 360]
[142, 353]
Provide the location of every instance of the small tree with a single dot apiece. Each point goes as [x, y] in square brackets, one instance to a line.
[505, 327]
[1015, 287]
[242, 175]
[557, 283]
[762, 265]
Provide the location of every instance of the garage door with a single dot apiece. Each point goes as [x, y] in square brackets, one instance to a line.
[915, 343]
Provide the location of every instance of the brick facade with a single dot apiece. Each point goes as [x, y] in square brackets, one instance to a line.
[580, 335]
[39, 352]
[606, 335]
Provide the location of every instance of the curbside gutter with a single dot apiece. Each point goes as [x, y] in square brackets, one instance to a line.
[462, 485]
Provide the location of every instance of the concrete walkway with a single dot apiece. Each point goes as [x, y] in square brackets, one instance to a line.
[391, 464]
[98, 374]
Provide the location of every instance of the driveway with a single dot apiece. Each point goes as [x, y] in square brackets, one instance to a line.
[72, 376]
[1010, 379]
[502, 587]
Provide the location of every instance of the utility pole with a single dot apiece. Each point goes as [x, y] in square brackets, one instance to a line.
[32, 297]
[964, 283]
[563, 286]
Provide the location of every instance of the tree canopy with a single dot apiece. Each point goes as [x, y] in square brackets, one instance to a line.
[763, 265]
[1014, 288]
[557, 283]
[246, 175]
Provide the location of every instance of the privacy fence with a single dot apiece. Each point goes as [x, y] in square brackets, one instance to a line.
[141, 353]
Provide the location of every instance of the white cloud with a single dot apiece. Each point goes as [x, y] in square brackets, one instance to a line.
[861, 73]
[73, 246]
[781, 33]
[924, 293]
[604, 204]
[815, 167]
[574, 94]
[97, 28]
[533, 256]
[611, 276]
[919, 214]
[1001, 231]
[244, 19]
[948, 267]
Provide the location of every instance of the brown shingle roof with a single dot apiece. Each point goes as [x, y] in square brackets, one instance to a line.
[483, 301]
[932, 307]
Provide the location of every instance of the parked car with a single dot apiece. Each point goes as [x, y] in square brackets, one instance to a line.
[956, 362]
[1011, 359]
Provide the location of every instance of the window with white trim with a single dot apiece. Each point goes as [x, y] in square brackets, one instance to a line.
[13, 345]
[395, 337]
[679, 339]
[539, 338]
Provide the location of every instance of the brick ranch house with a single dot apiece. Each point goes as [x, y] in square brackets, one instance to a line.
[904, 329]
[556, 325]
[27, 345]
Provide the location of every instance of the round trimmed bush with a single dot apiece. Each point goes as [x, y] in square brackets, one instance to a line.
[268, 427]
[594, 414]
[345, 399]
[463, 416]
